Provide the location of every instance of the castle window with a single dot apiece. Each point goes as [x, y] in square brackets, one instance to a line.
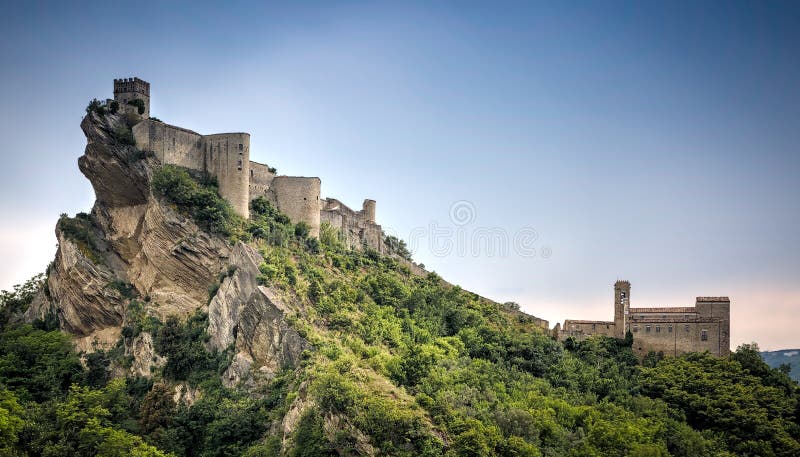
[647, 329]
[635, 329]
[687, 328]
[173, 141]
[704, 335]
[240, 164]
[658, 329]
[594, 327]
[241, 147]
[669, 329]
[251, 173]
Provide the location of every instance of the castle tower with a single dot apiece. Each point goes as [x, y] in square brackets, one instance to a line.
[368, 210]
[622, 304]
[129, 89]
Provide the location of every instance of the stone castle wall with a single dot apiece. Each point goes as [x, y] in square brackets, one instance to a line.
[298, 198]
[225, 156]
[357, 227]
[172, 145]
[228, 158]
[260, 180]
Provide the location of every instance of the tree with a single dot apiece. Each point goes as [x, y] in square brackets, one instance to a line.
[11, 422]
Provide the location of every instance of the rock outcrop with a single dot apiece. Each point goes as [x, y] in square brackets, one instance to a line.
[139, 247]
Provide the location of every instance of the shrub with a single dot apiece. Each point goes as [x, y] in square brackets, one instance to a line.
[113, 107]
[184, 346]
[18, 299]
[124, 135]
[397, 246]
[301, 230]
[138, 103]
[96, 106]
[78, 230]
[198, 199]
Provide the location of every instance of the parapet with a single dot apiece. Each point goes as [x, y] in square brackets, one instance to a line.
[137, 85]
[713, 300]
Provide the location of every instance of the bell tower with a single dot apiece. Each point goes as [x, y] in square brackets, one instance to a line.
[622, 304]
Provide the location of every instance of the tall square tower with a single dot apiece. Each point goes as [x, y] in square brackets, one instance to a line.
[126, 90]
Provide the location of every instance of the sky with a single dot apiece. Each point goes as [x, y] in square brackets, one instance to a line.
[531, 152]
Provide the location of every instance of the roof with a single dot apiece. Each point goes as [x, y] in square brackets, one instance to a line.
[676, 309]
[713, 299]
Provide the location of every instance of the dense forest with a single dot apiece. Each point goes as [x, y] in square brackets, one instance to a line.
[398, 364]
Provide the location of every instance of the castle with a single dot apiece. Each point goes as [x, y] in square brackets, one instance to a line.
[672, 331]
[226, 156]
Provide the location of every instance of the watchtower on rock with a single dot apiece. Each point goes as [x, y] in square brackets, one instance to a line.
[126, 90]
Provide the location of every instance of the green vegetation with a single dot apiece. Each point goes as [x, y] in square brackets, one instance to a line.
[397, 246]
[79, 230]
[139, 104]
[399, 365]
[198, 198]
[96, 106]
[124, 135]
[16, 300]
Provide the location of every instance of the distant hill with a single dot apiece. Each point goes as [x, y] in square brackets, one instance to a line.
[790, 356]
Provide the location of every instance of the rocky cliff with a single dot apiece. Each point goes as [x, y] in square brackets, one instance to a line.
[135, 247]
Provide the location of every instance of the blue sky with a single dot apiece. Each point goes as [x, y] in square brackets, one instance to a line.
[655, 142]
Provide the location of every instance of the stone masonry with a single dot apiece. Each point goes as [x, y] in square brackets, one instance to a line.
[226, 156]
[671, 331]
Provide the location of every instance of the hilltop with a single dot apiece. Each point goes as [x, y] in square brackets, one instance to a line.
[169, 323]
[789, 357]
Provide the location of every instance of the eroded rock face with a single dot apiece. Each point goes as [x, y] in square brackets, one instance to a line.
[251, 319]
[169, 261]
[144, 355]
[119, 173]
[83, 291]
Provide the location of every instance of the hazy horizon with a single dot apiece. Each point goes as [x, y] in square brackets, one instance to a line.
[653, 143]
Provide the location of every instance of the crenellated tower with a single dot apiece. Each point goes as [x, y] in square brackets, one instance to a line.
[128, 89]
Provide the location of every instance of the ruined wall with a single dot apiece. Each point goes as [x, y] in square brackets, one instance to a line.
[298, 198]
[357, 227]
[227, 156]
[260, 180]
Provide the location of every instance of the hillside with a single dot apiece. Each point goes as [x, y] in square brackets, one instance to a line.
[168, 325]
[786, 356]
